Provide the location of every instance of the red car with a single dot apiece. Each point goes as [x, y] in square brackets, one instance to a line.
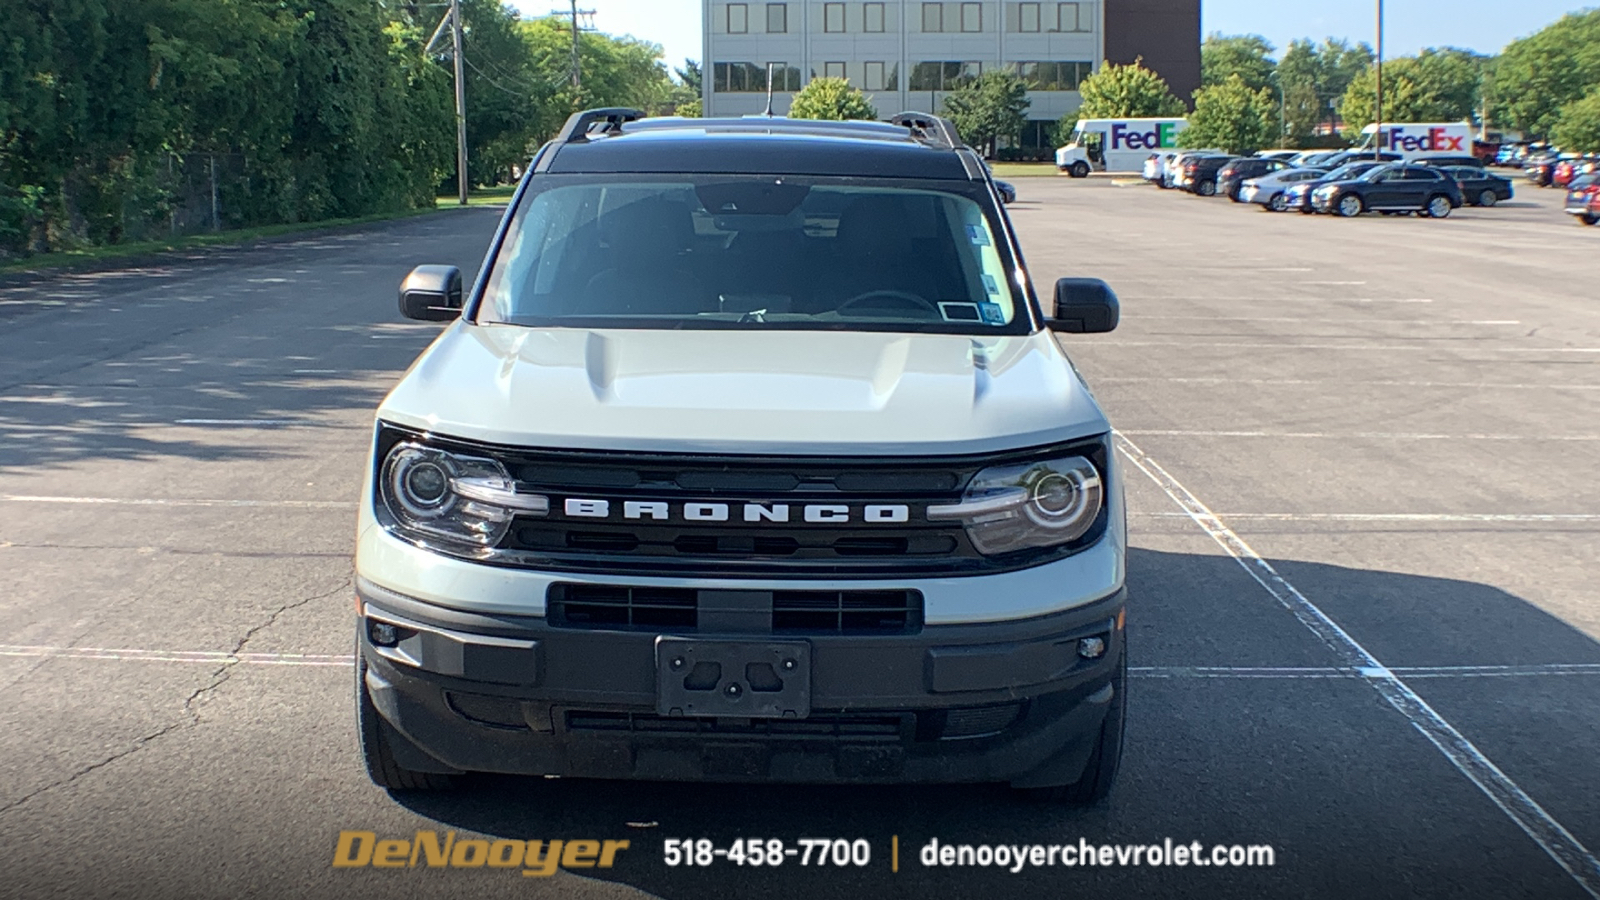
[1564, 172]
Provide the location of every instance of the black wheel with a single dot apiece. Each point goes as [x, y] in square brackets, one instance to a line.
[1100, 772]
[1080, 169]
[1206, 189]
[1439, 207]
[375, 748]
[1487, 198]
[1589, 218]
[1350, 206]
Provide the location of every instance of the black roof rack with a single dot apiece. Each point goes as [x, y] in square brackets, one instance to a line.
[581, 123]
[930, 128]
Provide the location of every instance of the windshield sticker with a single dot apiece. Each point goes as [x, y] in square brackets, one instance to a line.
[980, 236]
[959, 312]
[992, 313]
[990, 285]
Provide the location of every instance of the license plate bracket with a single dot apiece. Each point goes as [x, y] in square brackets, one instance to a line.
[746, 679]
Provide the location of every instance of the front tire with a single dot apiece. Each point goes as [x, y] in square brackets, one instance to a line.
[1439, 207]
[1100, 772]
[1080, 169]
[1350, 206]
[1487, 198]
[1277, 203]
[1589, 218]
[1206, 189]
[376, 752]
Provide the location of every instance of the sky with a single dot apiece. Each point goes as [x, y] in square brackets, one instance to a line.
[1410, 25]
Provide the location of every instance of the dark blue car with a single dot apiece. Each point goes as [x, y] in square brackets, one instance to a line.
[1391, 189]
[1299, 196]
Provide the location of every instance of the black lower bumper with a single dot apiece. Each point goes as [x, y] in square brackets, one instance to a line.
[1011, 701]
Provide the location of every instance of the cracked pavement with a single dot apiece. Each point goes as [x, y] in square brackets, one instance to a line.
[182, 446]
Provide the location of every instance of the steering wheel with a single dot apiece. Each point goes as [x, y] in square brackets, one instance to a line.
[903, 298]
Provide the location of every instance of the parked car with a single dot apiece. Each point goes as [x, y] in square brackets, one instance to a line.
[1200, 173]
[1173, 174]
[1350, 156]
[1391, 189]
[1008, 191]
[1271, 190]
[1156, 166]
[1233, 175]
[1314, 157]
[1540, 169]
[1298, 196]
[1285, 155]
[1583, 196]
[1563, 173]
[1480, 187]
[1510, 155]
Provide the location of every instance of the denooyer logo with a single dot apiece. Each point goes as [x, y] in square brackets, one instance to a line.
[536, 859]
[1160, 137]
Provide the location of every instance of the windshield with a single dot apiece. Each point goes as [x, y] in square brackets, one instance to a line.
[708, 251]
[1349, 171]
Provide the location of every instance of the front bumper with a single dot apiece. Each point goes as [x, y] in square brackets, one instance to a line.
[1000, 701]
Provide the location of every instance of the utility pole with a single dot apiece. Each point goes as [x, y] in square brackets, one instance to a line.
[1377, 131]
[577, 29]
[461, 101]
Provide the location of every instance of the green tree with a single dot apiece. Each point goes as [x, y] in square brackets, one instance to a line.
[990, 107]
[1578, 127]
[1232, 116]
[1537, 76]
[833, 99]
[1126, 92]
[1248, 56]
[691, 76]
[1439, 85]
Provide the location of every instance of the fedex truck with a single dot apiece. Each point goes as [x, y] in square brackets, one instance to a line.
[1417, 139]
[1116, 145]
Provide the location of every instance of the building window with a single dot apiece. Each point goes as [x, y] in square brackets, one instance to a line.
[1028, 18]
[738, 18]
[785, 77]
[944, 76]
[777, 18]
[1074, 17]
[873, 18]
[1053, 76]
[833, 17]
[749, 78]
[933, 17]
[971, 17]
[833, 70]
[872, 79]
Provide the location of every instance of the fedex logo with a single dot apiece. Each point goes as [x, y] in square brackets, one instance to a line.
[1161, 137]
[1434, 140]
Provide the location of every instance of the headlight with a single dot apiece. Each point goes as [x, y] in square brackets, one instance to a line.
[1043, 504]
[435, 494]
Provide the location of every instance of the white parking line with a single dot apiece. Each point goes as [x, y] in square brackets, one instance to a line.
[1305, 321]
[145, 501]
[1324, 672]
[1346, 383]
[1375, 435]
[1549, 834]
[177, 656]
[1389, 517]
[247, 422]
[1361, 348]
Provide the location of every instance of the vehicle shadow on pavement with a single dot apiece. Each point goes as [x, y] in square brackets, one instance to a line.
[1304, 760]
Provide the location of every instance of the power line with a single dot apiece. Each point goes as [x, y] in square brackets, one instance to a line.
[577, 29]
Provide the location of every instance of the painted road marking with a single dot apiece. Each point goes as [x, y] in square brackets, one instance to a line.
[1549, 834]
[1375, 435]
[145, 501]
[1389, 517]
[1344, 383]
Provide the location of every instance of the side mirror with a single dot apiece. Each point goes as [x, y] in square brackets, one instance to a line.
[431, 294]
[1085, 306]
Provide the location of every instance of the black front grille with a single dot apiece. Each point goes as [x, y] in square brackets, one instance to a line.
[846, 612]
[794, 548]
[853, 727]
[606, 606]
[623, 608]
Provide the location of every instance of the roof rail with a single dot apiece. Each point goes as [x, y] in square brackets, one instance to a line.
[580, 123]
[930, 128]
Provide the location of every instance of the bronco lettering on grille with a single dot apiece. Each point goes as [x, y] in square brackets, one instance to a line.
[753, 513]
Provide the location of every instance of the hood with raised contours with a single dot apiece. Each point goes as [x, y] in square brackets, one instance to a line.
[799, 392]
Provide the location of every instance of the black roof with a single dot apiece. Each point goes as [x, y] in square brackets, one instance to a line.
[612, 141]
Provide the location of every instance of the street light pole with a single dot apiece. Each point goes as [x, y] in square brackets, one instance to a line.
[461, 101]
[1377, 131]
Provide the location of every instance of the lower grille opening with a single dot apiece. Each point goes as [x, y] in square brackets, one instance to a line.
[602, 606]
[847, 612]
[979, 721]
[855, 727]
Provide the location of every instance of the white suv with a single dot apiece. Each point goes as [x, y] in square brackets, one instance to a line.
[772, 475]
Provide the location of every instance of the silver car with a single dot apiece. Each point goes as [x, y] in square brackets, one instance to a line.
[1270, 190]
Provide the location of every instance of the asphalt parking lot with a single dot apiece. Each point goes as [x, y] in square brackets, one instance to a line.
[1364, 482]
